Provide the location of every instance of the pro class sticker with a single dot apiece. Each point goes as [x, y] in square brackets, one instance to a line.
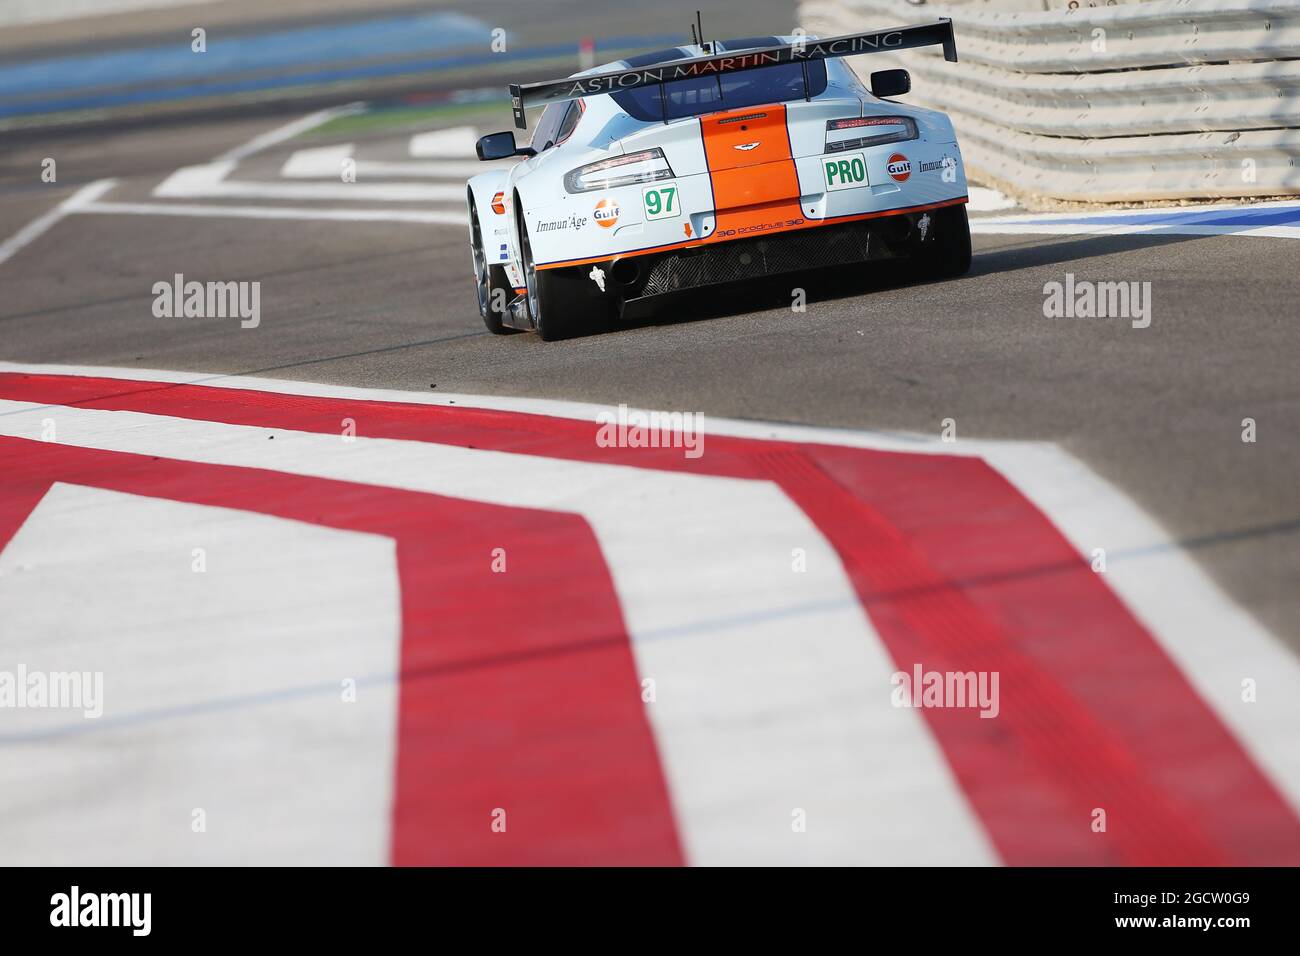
[845, 172]
[899, 167]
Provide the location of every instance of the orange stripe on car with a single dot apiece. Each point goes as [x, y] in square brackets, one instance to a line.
[755, 183]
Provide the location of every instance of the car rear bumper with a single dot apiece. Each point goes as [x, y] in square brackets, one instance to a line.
[740, 260]
[638, 277]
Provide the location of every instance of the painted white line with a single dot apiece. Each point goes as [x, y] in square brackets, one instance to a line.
[209, 181]
[16, 12]
[120, 789]
[1188, 210]
[288, 131]
[1166, 220]
[327, 162]
[1104, 229]
[1212, 639]
[320, 162]
[772, 687]
[41, 225]
[454, 143]
[428, 169]
[274, 212]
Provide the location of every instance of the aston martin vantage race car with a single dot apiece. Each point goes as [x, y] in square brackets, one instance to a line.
[712, 164]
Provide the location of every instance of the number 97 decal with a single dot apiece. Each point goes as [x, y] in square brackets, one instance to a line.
[661, 201]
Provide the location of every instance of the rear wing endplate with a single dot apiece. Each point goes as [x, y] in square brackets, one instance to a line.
[525, 95]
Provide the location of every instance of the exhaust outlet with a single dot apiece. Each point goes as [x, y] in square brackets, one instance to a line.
[625, 271]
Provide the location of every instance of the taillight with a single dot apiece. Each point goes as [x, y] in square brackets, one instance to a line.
[903, 128]
[646, 166]
[499, 204]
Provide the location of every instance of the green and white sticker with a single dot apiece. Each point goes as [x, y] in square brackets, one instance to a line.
[845, 172]
[661, 201]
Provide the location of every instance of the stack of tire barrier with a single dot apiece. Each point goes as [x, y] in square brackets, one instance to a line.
[1171, 99]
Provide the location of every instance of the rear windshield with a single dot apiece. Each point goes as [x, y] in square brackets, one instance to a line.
[768, 84]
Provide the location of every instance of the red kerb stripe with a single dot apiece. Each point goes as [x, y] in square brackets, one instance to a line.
[958, 572]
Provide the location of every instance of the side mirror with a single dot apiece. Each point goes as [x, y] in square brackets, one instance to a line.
[890, 83]
[501, 146]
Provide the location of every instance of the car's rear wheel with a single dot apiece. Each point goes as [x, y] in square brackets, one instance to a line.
[490, 282]
[945, 251]
[560, 304]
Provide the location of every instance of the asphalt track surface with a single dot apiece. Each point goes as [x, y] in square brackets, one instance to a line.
[1156, 411]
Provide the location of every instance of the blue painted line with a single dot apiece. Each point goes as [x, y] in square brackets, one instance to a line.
[330, 690]
[178, 86]
[167, 715]
[177, 63]
[1245, 218]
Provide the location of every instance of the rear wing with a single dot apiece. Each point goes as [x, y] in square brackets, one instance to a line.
[525, 95]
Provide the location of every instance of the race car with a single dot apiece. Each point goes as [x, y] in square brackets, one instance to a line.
[711, 164]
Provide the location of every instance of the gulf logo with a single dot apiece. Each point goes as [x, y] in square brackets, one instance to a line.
[606, 213]
[900, 167]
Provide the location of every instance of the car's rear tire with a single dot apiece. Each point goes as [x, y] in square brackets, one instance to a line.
[491, 286]
[945, 251]
[561, 305]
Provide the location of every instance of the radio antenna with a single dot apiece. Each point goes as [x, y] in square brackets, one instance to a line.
[695, 38]
[700, 24]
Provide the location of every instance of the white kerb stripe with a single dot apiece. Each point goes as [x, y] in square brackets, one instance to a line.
[1211, 638]
[773, 690]
[222, 686]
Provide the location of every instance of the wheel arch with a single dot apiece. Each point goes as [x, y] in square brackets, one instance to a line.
[481, 190]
